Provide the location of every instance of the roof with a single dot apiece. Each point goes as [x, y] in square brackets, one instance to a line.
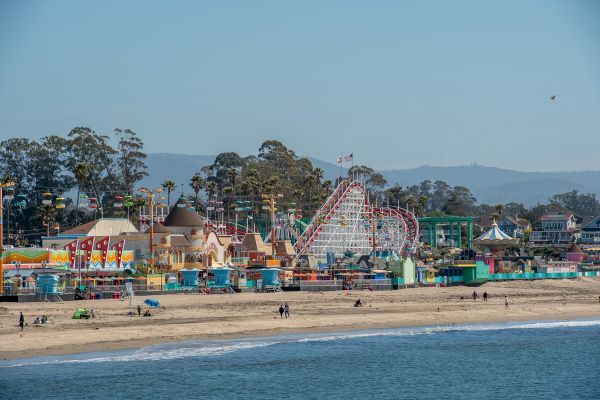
[160, 228]
[556, 216]
[591, 224]
[178, 240]
[516, 221]
[182, 214]
[494, 235]
[284, 248]
[575, 249]
[253, 242]
[103, 227]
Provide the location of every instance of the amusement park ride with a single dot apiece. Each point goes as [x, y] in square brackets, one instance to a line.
[345, 223]
[348, 224]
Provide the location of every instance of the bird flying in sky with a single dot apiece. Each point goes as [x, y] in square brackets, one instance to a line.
[552, 97]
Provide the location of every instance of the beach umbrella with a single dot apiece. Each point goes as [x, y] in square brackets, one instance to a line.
[152, 303]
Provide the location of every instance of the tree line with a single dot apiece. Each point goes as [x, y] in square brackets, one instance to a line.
[99, 166]
[84, 164]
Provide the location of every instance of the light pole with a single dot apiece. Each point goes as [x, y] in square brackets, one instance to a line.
[2, 186]
[270, 198]
[151, 195]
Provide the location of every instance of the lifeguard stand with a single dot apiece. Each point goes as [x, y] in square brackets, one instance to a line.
[190, 277]
[270, 280]
[49, 285]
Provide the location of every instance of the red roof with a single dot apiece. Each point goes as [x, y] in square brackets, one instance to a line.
[556, 217]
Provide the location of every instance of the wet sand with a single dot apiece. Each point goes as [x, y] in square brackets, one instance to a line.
[193, 316]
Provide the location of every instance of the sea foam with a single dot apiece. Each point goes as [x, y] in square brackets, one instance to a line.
[217, 348]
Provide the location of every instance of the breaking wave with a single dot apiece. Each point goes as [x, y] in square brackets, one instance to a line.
[217, 348]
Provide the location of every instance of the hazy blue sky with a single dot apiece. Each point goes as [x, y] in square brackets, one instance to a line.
[399, 83]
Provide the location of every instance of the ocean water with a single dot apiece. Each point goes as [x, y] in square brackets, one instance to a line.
[537, 360]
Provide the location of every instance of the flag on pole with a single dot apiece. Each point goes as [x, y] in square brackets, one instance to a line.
[102, 245]
[349, 158]
[119, 246]
[87, 245]
[72, 248]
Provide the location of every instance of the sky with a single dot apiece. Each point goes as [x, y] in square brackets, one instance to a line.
[399, 84]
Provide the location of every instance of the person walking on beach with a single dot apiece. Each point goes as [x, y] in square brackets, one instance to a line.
[21, 321]
[286, 310]
[474, 295]
[281, 311]
[139, 309]
[506, 302]
[485, 296]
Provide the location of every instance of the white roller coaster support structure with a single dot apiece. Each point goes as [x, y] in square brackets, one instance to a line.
[345, 224]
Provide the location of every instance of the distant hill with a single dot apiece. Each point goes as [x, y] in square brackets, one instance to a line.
[490, 185]
[176, 167]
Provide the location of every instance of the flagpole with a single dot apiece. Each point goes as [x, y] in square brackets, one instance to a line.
[341, 163]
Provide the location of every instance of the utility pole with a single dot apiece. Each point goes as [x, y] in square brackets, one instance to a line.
[271, 199]
[2, 186]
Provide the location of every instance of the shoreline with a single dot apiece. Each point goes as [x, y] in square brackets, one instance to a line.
[110, 346]
[196, 317]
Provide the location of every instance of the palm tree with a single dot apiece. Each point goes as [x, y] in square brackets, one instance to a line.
[250, 185]
[310, 180]
[81, 171]
[197, 183]
[211, 189]
[233, 175]
[499, 208]
[46, 214]
[169, 185]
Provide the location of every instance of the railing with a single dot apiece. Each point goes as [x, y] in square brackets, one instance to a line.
[375, 284]
[320, 283]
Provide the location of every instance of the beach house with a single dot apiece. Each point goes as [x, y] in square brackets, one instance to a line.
[555, 228]
[514, 226]
[590, 231]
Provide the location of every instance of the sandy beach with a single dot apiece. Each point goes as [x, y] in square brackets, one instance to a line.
[194, 316]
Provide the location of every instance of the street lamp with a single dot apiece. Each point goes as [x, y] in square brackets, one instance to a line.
[270, 198]
[151, 195]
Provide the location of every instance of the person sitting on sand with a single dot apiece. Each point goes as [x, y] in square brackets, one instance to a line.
[147, 313]
[37, 320]
[281, 310]
[358, 303]
[44, 319]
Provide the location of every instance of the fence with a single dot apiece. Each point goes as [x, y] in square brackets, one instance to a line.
[372, 284]
[542, 275]
[326, 285]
